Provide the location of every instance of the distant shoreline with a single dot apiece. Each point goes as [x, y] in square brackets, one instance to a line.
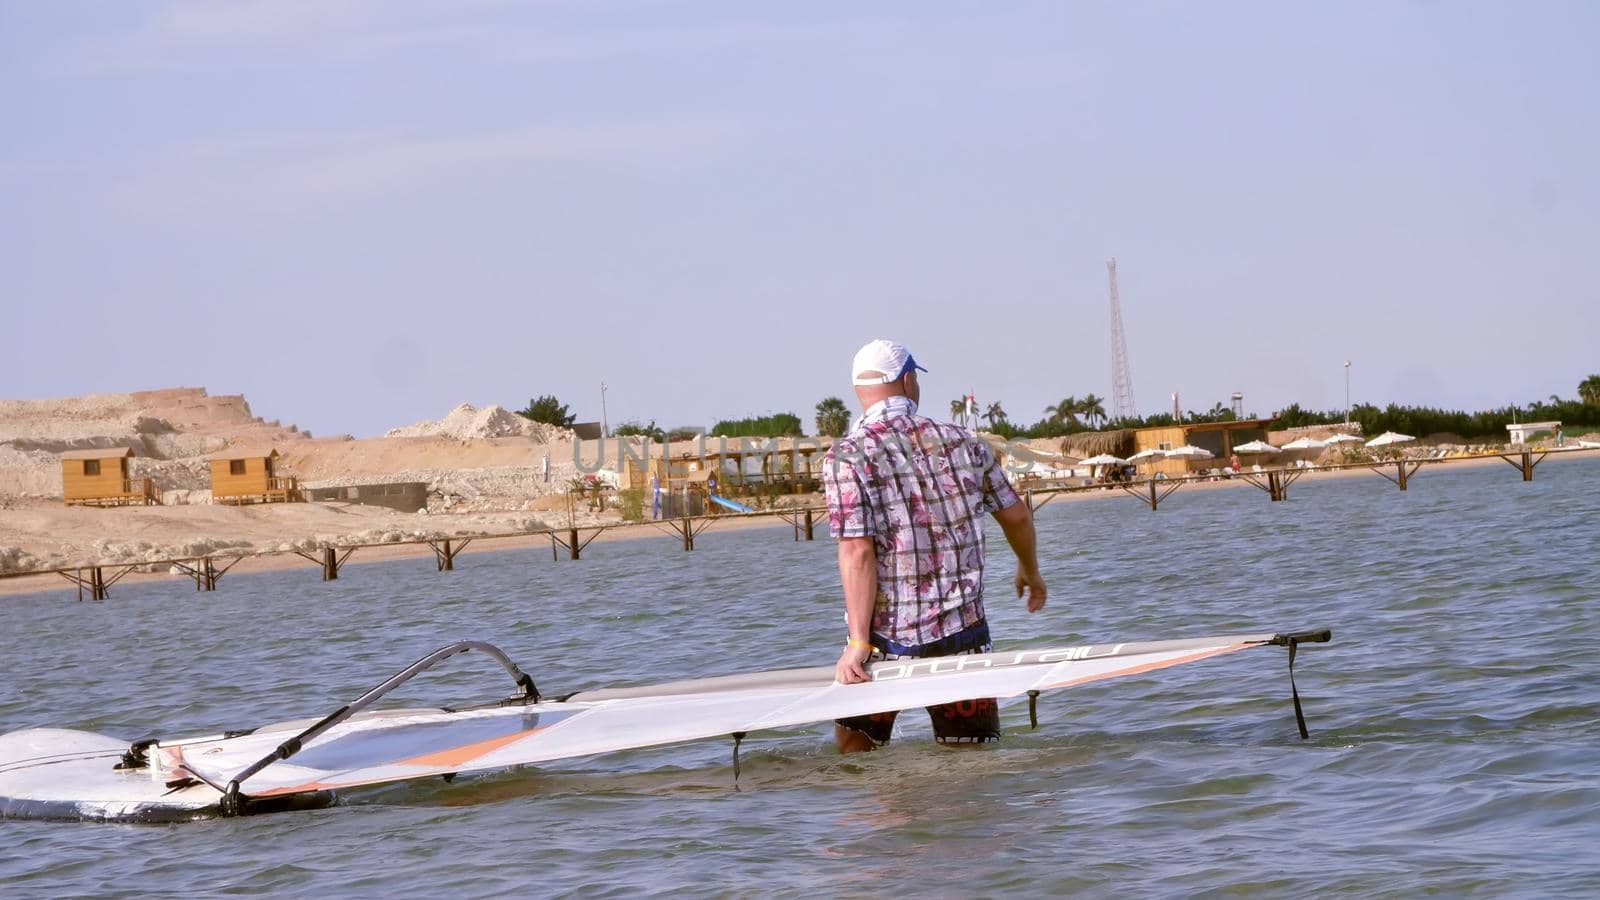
[51, 583]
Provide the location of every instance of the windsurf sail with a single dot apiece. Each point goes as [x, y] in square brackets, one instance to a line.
[344, 750]
[48, 773]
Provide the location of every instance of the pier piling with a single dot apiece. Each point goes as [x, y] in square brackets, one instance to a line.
[686, 530]
[1276, 484]
[570, 543]
[204, 572]
[1403, 470]
[329, 560]
[1154, 496]
[1525, 462]
[97, 583]
[444, 554]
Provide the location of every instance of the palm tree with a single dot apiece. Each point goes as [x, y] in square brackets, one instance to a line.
[958, 408]
[995, 413]
[1065, 409]
[1094, 408]
[833, 417]
[1589, 390]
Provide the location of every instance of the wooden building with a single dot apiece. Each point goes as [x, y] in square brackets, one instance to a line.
[794, 462]
[646, 465]
[249, 475]
[100, 478]
[1219, 438]
[405, 496]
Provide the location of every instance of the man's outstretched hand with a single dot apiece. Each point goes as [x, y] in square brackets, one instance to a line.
[851, 667]
[1032, 584]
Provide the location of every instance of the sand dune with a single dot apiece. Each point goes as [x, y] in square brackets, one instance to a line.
[485, 467]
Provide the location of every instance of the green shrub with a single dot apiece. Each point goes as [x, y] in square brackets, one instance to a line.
[549, 410]
[634, 429]
[631, 503]
[776, 425]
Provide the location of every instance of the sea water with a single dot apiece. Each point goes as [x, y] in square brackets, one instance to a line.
[1455, 718]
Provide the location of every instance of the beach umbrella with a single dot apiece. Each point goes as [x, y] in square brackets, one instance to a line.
[1256, 447]
[1104, 459]
[1305, 443]
[1344, 438]
[1143, 455]
[1388, 438]
[1189, 451]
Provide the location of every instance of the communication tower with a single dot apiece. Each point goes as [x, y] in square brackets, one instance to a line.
[1122, 404]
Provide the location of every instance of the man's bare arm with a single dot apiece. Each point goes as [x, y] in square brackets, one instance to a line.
[858, 575]
[1016, 521]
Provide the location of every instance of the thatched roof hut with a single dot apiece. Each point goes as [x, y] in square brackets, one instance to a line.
[1093, 443]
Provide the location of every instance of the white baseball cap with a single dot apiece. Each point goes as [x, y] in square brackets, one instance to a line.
[890, 359]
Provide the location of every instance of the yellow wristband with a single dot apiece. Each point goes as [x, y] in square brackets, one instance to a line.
[861, 645]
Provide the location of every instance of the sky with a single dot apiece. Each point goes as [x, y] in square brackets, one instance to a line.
[359, 213]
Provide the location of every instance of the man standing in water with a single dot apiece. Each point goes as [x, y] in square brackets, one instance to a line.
[906, 499]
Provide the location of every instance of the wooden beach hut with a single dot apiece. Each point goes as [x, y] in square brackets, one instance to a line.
[249, 475]
[1218, 438]
[100, 478]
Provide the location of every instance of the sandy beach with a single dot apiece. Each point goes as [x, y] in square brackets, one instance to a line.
[488, 472]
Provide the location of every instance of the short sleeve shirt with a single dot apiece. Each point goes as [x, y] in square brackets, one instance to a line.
[920, 489]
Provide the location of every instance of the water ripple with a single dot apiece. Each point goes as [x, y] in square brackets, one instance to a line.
[1453, 720]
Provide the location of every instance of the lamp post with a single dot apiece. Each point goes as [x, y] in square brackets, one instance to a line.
[1347, 392]
[604, 430]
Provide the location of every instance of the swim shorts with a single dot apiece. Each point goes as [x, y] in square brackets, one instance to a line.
[961, 722]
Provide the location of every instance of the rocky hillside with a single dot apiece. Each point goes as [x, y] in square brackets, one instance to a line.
[474, 459]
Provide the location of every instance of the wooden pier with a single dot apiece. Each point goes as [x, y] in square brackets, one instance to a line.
[96, 579]
[571, 543]
[1274, 481]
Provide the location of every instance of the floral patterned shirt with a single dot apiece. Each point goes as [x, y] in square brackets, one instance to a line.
[919, 488]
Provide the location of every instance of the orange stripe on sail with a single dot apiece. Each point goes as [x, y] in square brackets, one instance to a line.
[457, 756]
[298, 789]
[1148, 667]
[443, 761]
